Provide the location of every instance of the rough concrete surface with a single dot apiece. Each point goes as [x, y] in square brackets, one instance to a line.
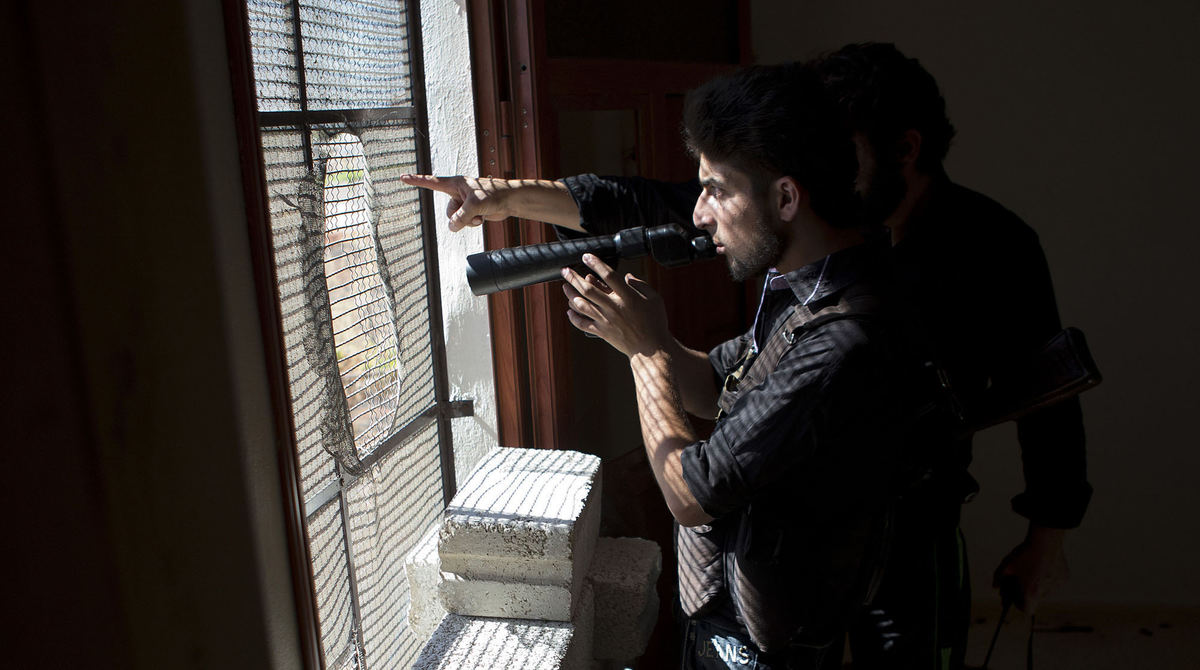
[508, 600]
[581, 650]
[482, 643]
[524, 515]
[488, 643]
[423, 568]
[474, 642]
[623, 575]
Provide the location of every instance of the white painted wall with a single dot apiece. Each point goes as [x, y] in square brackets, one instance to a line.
[1080, 117]
[452, 143]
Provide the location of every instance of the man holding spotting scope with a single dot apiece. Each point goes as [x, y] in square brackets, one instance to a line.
[981, 282]
[977, 276]
[784, 509]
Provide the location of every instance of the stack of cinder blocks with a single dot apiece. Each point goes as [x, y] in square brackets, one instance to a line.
[516, 577]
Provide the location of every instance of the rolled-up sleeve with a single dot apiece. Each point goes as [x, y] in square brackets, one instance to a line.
[1054, 460]
[1052, 440]
[609, 204]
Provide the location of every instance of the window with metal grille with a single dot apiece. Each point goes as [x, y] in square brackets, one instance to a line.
[341, 115]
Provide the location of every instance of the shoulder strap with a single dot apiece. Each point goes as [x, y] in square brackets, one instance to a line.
[754, 369]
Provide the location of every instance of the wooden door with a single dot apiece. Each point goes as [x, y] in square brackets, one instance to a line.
[544, 70]
[569, 86]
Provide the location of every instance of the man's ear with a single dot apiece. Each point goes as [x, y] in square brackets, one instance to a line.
[790, 197]
[908, 148]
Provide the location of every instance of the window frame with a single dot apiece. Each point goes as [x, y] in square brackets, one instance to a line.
[249, 123]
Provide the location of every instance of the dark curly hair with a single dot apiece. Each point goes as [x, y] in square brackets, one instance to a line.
[774, 120]
[883, 93]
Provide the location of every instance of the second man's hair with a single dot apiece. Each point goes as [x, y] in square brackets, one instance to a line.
[883, 93]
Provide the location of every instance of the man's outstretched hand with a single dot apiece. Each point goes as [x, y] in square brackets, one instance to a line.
[475, 200]
[1033, 568]
[472, 201]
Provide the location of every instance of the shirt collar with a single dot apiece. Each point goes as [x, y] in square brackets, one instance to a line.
[819, 280]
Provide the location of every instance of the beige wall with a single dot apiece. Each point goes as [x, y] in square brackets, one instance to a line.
[1081, 118]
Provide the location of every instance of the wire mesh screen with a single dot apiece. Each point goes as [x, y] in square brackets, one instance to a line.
[352, 277]
[331, 579]
[389, 511]
[390, 149]
[364, 335]
[355, 54]
[338, 129]
[272, 44]
[307, 356]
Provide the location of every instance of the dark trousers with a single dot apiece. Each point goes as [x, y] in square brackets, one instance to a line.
[919, 618]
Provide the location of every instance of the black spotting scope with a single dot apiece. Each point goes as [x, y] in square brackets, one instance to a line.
[502, 269]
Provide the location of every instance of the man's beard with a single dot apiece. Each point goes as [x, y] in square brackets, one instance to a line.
[883, 194]
[759, 258]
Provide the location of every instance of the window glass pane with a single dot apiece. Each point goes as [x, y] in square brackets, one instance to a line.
[355, 54]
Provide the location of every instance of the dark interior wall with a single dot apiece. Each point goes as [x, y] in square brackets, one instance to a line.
[1081, 118]
[143, 496]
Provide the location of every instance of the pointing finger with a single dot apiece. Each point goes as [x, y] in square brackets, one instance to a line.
[447, 185]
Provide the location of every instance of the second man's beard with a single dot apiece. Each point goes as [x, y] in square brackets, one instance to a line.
[760, 257]
[884, 192]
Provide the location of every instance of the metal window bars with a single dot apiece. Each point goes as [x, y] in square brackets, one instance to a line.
[340, 97]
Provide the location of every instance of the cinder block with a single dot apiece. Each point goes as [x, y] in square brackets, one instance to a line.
[623, 574]
[525, 516]
[483, 643]
[423, 569]
[581, 649]
[508, 600]
[489, 643]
